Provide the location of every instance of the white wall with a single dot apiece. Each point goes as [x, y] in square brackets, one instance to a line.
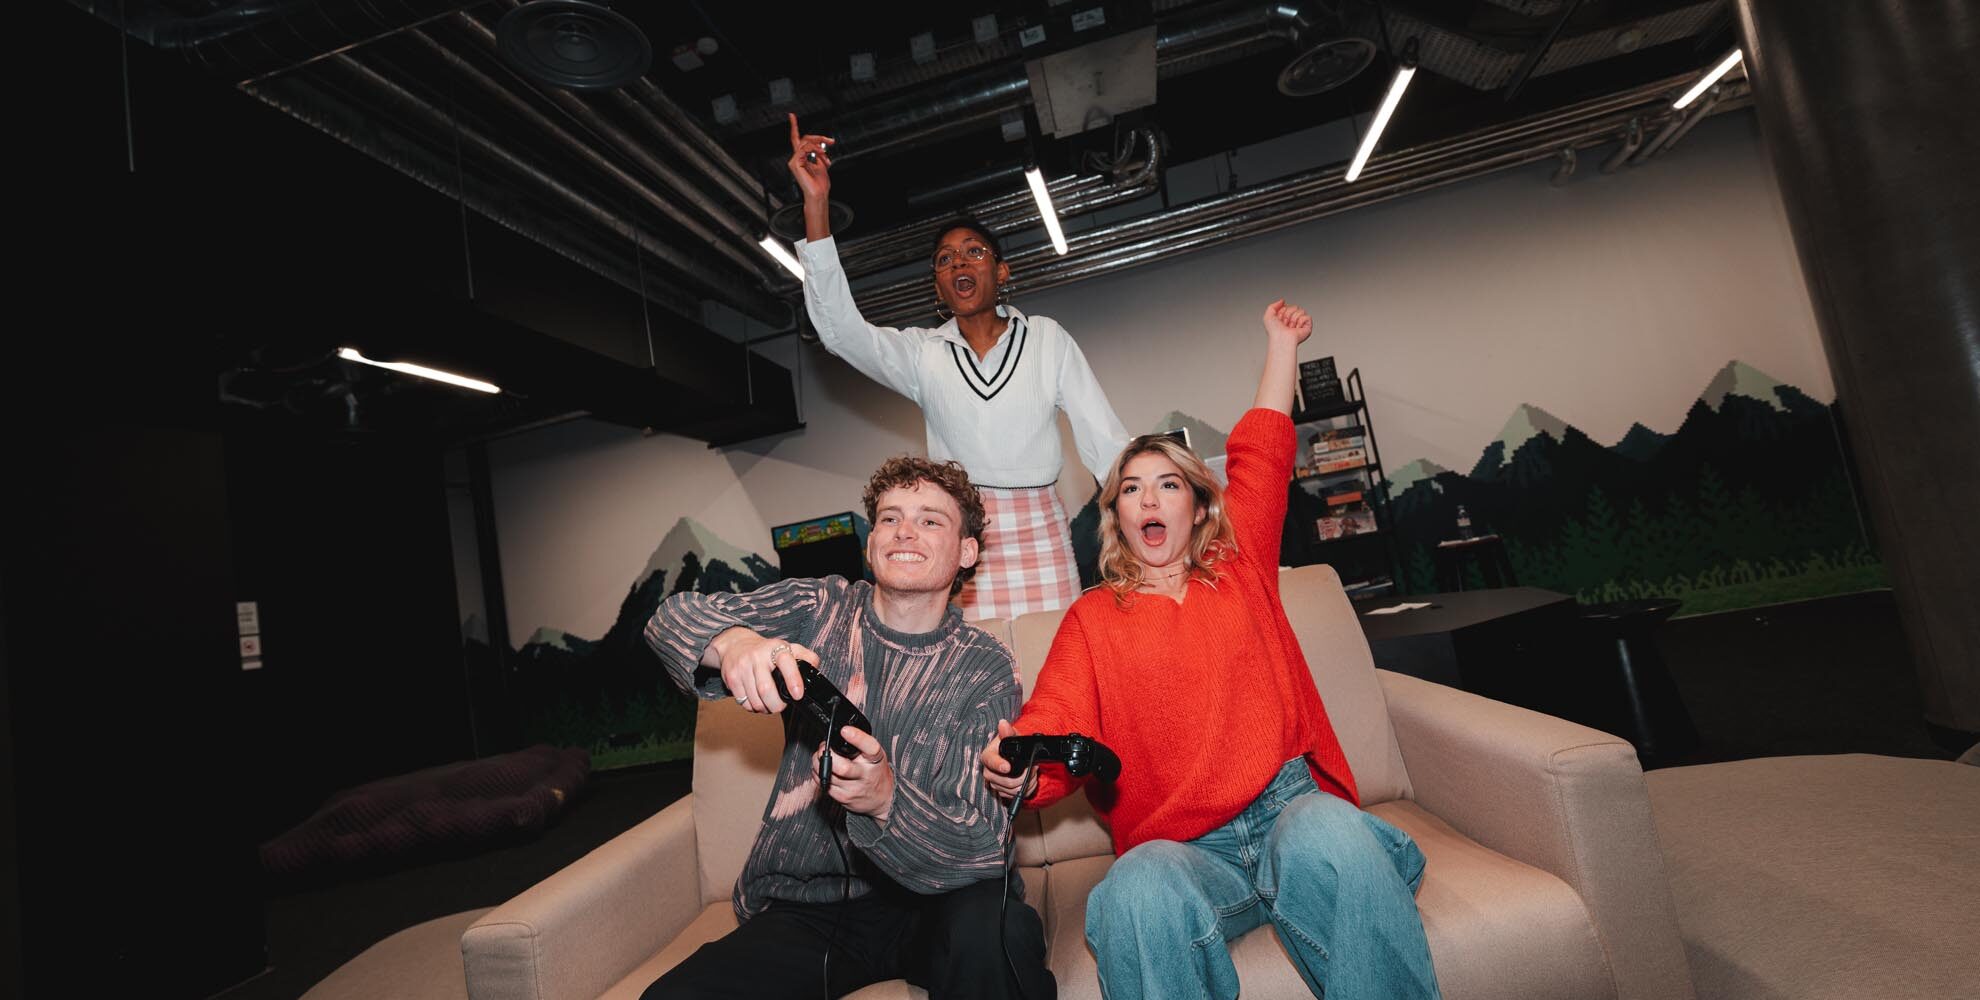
[1611, 300]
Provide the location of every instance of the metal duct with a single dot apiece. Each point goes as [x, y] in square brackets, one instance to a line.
[908, 242]
[313, 107]
[679, 132]
[739, 247]
[1188, 43]
[364, 137]
[1307, 196]
[1451, 53]
[1195, 40]
[319, 31]
[168, 30]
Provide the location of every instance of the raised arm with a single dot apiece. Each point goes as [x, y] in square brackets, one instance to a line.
[1286, 327]
[1096, 429]
[882, 353]
[1261, 445]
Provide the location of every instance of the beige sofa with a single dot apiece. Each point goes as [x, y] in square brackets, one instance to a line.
[1544, 880]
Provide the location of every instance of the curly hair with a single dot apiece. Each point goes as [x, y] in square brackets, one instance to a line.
[1209, 542]
[904, 471]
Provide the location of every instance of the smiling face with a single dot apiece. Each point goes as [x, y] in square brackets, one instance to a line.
[917, 543]
[1156, 511]
[967, 272]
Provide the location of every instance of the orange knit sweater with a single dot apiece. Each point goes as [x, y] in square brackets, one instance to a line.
[1204, 701]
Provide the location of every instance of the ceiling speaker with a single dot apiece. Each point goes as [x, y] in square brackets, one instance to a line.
[788, 222]
[573, 44]
[1326, 66]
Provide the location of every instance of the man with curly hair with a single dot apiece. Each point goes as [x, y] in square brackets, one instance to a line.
[897, 871]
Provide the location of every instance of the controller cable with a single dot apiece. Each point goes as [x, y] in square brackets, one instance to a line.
[845, 860]
[1010, 861]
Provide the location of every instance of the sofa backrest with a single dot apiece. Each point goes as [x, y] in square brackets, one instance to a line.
[1344, 672]
[736, 753]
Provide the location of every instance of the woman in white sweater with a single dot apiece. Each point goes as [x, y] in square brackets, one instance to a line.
[990, 382]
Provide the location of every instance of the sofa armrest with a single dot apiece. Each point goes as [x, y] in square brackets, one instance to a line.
[1562, 797]
[574, 934]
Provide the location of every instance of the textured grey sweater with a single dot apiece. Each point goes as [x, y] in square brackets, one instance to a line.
[933, 699]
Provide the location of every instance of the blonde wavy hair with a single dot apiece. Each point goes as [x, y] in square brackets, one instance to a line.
[1209, 542]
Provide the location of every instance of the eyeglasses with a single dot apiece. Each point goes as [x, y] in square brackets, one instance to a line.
[974, 254]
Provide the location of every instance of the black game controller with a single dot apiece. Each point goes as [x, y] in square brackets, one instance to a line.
[1082, 755]
[823, 706]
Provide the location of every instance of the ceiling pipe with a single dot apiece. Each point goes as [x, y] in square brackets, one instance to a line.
[681, 134]
[1712, 98]
[749, 300]
[1189, 42]
[1005, 174]
[309, 32]
[908, 243]
[1565, 169]
[750, 263]
[312, 107]
[1632, 140]
[740, 247]
[1301, 198]
[166, 30]
[681, 125]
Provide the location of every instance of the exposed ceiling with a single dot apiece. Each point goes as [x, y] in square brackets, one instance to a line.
[1193, 142]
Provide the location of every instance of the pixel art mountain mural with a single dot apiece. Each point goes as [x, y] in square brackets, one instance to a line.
[610, 694]
[1747, 502]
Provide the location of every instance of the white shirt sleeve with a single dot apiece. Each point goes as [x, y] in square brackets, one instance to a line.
[882, 353]
[1096, 430]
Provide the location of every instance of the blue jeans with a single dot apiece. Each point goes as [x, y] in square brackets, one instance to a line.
[1337, 883]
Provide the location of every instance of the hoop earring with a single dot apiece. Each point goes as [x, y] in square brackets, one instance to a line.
[940, 313]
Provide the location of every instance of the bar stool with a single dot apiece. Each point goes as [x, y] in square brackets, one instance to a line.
[1650, 714]
[1488, 552]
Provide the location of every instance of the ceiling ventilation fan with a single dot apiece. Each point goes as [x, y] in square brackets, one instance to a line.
[573, 44]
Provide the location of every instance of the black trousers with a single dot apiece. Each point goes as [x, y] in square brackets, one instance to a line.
[947, 944]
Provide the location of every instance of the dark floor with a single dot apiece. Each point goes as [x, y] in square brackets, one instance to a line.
[312, 931]
[1826, 676]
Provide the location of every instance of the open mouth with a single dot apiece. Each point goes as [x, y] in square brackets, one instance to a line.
[964, 284]
[907, 557]
[1154, 532]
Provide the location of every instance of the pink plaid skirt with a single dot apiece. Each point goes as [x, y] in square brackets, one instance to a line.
[1027, 562]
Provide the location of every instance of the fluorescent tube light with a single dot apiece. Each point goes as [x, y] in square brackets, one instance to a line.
[351, 354]
[1036, 178]
[1389, 102]
[776, 248]
[1705, 82]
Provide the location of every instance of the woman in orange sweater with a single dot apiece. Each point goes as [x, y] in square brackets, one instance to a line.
[1235, 805]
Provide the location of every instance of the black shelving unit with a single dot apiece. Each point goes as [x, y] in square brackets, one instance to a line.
[1360, 557]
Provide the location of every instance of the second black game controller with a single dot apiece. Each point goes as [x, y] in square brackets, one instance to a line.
[1082, 755]
[824, 708]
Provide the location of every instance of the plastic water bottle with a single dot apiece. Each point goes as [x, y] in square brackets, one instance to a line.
[1463, 523]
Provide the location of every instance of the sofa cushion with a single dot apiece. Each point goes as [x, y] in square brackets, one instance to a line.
[1497, 928]
[1344, 672]
[736, 755]
[1070, 828]
[1824, 877]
